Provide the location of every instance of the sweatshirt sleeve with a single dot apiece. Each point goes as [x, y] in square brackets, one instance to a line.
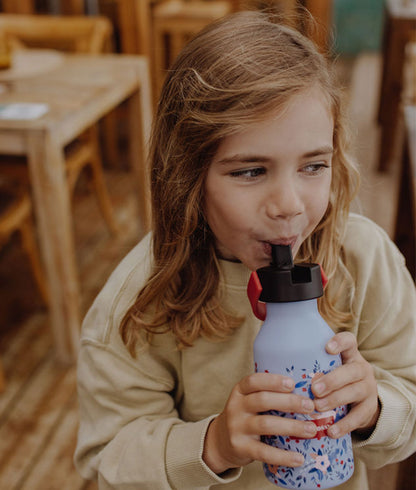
[386, 302]
[130, 433]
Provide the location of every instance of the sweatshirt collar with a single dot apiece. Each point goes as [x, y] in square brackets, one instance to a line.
[234, 273]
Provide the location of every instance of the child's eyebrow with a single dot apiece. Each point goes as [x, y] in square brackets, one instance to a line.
[324, 150]
[247, 158]
[241, 158]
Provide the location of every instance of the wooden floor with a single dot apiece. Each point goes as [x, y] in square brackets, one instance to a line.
[38, 409]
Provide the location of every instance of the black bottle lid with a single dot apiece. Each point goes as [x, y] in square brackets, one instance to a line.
[283, 281]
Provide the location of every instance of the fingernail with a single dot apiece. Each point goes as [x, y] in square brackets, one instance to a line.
[308, 404]
[333, 431]
[288, 383]
[332, 346]
[310, 429]
[298, 458]
[321, 404]
[318, 388]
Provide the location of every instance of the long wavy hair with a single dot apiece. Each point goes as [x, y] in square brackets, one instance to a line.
[232, 74]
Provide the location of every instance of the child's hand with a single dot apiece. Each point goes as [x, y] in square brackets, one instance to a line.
[352, 384]
[233, 438]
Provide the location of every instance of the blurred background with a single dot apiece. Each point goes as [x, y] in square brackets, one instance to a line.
[79, 81]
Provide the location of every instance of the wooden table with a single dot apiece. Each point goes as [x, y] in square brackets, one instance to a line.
[405, 232]
[79, 91]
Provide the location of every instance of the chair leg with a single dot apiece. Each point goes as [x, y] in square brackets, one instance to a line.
[27, 233]
[100, 186]
[2, 378]
[110, 140]
[177, 42]
[72, 175]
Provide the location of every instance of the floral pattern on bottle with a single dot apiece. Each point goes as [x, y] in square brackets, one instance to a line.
[328, 462]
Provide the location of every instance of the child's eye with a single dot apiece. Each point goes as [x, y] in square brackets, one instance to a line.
[248, 173]
[315, 168]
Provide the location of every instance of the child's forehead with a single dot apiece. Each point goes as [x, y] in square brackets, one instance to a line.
[304, 129]
[277, 109]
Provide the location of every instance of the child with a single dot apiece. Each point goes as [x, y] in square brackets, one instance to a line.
[249, 148]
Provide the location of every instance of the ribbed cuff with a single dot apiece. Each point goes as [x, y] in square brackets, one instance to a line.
[392, 420]
[184, 465]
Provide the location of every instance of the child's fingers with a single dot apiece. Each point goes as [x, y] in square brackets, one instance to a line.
[355, 419]
[340, 377]
[261, 425]
[265, 382]
[347, 395]
[354, 370]
[260, 451]
[263, 401]
[344, 343]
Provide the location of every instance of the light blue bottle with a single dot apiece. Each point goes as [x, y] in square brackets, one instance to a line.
[292, 342]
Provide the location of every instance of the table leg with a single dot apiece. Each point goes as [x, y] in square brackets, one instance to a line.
[139, 125]
[53, 213]
[138, 159]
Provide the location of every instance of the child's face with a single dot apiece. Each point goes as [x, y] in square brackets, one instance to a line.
[271, 182]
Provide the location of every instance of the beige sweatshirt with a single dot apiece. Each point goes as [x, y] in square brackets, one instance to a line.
[143, 420]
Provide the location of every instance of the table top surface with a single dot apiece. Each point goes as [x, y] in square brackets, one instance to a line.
[405, 9]
[29, 63]
[76, 86]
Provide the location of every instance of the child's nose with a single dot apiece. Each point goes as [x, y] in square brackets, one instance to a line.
[284, 201]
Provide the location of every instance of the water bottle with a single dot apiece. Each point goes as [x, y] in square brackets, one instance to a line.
[292, 342]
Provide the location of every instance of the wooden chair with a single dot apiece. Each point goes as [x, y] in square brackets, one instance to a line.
[73, 34]
[399, 31]
[174, 23]
[16, 217]
[79, 34]
[134, 21]
[71, 7]
[20, 7]
[320, 11]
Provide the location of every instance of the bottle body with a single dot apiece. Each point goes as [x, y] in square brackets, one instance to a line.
[292, 342]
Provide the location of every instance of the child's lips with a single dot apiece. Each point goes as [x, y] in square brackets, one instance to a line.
[267, 245]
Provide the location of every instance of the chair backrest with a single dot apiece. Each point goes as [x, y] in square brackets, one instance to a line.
[19, 7]
[67, 33]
